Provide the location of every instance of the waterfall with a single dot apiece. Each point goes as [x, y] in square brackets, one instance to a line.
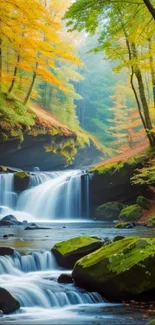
[50, 196]
[32, 280]
[7, 195]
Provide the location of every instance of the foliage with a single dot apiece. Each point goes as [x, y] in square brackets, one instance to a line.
[145, 175]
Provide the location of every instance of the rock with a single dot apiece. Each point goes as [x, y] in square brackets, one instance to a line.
[152, 221]
[25, 222]
[36, 228]
[152, 322]
[8, 303]
[21, 181]
[68, 252]
[108, 211]
[65, 278]
[112, 182]
[8, 235]
[131, 213]
[9, 220]
[6, 251]
[5, 236]
[116, 238]
[125, 225]
[123, 270]
[143, 202]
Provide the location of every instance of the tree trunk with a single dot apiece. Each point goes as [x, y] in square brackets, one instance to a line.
[150, 7]
[152, 71]
[142, 95]
[14, 75]
[1, 64]
[30, 89]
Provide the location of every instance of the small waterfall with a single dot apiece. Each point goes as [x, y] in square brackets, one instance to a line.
[58, 196]
[7, 195]
[32, 280]
[50, 196]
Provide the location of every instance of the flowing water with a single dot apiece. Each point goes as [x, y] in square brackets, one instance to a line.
[32, 278]
[50, 196]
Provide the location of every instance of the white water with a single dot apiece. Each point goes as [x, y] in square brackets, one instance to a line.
[50, 196]
[32, 279]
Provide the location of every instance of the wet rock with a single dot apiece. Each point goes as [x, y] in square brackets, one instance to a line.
[9, 220]
[67, 253]
[8, 235]
[108, 211]
[65, 278]
[123, 270]
[5, 236]
[21, 181]
[116, 238]
[8, 303]
[6, 251]
[131, 213]
[25, 222]
[125, 225]
[36, 228]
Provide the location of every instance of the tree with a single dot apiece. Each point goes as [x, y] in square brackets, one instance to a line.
[121, 38]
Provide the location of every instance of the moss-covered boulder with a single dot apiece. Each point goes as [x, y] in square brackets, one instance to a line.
[152, 322]
[108, 211]
[131, 213]
[124, 225]
[122, 270]
[8, 303]
[68, 252]
[143, 202]
[116, 238]
[112, 182]
[21, 181]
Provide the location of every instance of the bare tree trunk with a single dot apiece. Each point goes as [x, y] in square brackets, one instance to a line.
[14, 75]
[30, 89]
[150, 7]
[152, 71]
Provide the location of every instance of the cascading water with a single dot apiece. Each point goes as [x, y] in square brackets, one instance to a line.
[32, 279]
[50, 196]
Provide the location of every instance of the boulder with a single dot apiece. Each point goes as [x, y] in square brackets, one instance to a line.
[6, 251]
[116, 238]
[120, 271]
[9, 220]
[108, 211]
[65, 278]
[36, 228]
[143, 202]
[21, 181]
[131, 213]
[125, 225]
[68, 252]
[152, 322]
[8, 303]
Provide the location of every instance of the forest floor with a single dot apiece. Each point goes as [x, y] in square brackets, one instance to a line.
[125, 155]
[42, 114]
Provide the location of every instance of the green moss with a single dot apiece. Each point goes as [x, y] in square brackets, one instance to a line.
[118, 258]
[131, 213]
[108, 211]
[74, 244]
[151, 323]
[143, 202]
[21, 175]
[121, 225]
[152, 220]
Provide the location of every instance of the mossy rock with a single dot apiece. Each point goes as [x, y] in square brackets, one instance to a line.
[116, 238]
[124, 225]
[8, 303]
[152, 220]
[151, 323]
[143, 202]
[21, 181]
[108, 211]
[131, 213]
[68, 252]
[122, 270]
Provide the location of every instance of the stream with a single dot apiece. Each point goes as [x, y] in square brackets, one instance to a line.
[55, 200]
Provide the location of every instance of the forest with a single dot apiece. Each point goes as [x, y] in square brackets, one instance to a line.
[77, 162]
[47, 60]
